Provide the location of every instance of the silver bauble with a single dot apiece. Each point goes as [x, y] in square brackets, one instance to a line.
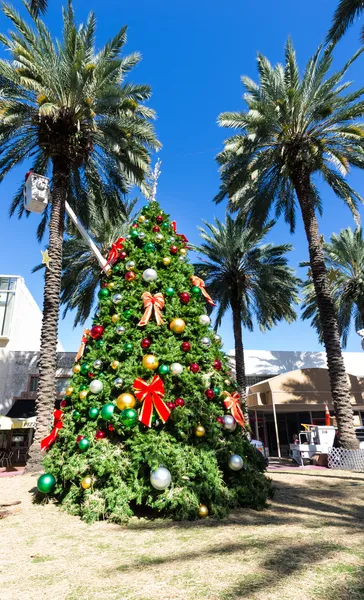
[150, 275]
[218, 339]
[204, 320]
[227, 381]
[97, 363]
[171, 239]
[235, 462]
[120, 330]
[118, 382]
[130, 265]
[181, 258]
[206, 342]
[96, 386]
[142, 235]
[176, 368]
[229, 423]
[117, 298]
[161, 478]
[159, 237]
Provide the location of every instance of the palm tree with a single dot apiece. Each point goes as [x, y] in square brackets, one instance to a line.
[344, 258]
[71, 111]
[297, 128]
[249, 277]
[38, 7]
[346, 13]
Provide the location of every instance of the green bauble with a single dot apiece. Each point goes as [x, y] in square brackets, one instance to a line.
[196, 290]
[134, 234]
[149, 247]
[145, 208]
[165, 225]
[93, 413]
[128, 347]
[169, 291]
[85, 367]
[99, 343]
[107, 411]
[128, 313]
[163, 370]
[46, 483]
[82, 387]
[129, 417]
[76, 415]
[217, 391]
[83, 444]
[118, 268]
[103, 293]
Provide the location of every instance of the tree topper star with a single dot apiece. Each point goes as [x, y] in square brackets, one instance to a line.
[46, 259]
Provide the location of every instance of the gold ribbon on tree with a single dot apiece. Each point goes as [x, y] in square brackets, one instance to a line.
[150, 302]
[198, 282]
[81, 349]
[232, 403]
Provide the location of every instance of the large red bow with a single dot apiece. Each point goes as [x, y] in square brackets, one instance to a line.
[151, 394]
[150, 302]
[48, 441]
[116, 247]
[232, 403]
[198, 282]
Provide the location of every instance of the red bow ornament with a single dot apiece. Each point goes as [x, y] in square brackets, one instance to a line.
[198, 282]
[116, 248]
[150, 302]
[151, 395]
[232, 403]
[51, 438]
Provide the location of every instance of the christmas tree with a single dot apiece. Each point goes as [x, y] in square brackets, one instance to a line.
[151, 422]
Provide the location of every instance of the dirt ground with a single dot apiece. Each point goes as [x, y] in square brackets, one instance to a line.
[309, 545]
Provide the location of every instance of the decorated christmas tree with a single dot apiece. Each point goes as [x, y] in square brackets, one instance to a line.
[151, 422]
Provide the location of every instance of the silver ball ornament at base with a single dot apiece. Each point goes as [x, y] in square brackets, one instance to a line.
[117, 298]
[97, 363]
[96, 386]
[206, 342]
[229, 423]
[235, 462]
[130, 265]
[142, 235]
[161, 478]
[150, 275]
[120, 330]
[204, 320]
[176, 368]
[118, 382]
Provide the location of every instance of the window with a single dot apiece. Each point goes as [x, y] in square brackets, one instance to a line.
[253, 379]
[61, 384]
[7, 299]
[33, 383]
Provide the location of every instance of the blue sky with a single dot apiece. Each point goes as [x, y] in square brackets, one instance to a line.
[193, 56]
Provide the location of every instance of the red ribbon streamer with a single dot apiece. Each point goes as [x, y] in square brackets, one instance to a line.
[198, 282]
[116, 248]
[51, 438]
[151, 395]
[232, 403]
[181, 235]
[81, 349]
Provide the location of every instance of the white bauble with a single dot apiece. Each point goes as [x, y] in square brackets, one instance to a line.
[97, 363]
[205, 342]
[176, 368]
[117, 298]
[118, 382]
[235, 462]
[150, 275]
[120, 330]
[161, 478]
[229, 423]
[130, 265]
[96, 386]
[204, 320]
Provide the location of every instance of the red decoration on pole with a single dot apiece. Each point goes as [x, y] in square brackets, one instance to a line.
[81, 349]
[51, 438]
[327, 416]
[116, 247]
[151, 394]
[150, 302]
[198, 282]
[232, 403]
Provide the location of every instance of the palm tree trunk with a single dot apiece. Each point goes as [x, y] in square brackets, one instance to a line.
[239, 350]
[338, 379]
[46, 392]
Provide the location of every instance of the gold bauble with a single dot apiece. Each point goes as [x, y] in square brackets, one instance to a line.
[69, 391]
[115, 318]
[109, 272]
[166, 261]
[115, 364]
[177, 325]
[203, 511]
[183, 251]
[76, 368]
[200, 431]
[141, 218]
[150, 362]
[227, 381]
[125, 400]
[111, 285]
[86, 482]
[83, 394]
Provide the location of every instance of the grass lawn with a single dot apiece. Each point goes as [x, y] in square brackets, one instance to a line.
[309, 545]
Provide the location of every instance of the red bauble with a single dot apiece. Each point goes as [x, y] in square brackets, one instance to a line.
[184, 297]
[130, 275]
[217, 365]
[173, 249]
[220, 420]
[145, 343]
[96, 332]
[63, 403]
[103, 284]
[84, 340]
[91, 375]
[185, 346]
[111, 428]
[179, 402]
[159, 219]
[209, 394]
[79, 438]
[122, 255]
[135, 225]
[171, 405]
[156, 229]
[99, 435]
[194, 368]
